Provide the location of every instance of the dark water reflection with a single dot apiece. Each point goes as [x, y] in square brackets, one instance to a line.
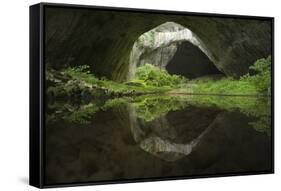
[156, 136]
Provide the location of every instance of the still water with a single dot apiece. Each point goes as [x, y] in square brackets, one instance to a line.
[156, 136]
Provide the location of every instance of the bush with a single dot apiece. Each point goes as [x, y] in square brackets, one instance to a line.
[262, 74]
[154, 76]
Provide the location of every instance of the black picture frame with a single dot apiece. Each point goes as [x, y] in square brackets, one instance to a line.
[37, 94]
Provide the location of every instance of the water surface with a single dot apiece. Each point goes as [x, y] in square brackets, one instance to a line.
[156, 136]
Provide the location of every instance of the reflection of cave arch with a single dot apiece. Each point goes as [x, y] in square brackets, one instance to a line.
[162, 139]
[159, 45]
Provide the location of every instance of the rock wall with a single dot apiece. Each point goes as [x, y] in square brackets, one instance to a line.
[158, 46]
[105, 39]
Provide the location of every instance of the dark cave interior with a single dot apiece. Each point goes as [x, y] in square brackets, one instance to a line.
[191, 62]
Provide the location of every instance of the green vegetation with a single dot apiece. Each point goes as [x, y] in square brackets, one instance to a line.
[226, 86]
[257, 109]
[258, 83]
[152, 107]
[262, 75]
[262, 124]
[71, 113]
[149, 108]
[81, 115]
[153, 76]
[79, 81]
[152, 93]
[81, 73]
[116, 102]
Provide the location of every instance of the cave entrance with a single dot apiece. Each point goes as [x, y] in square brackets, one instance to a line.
[190, 62]
[175, 48]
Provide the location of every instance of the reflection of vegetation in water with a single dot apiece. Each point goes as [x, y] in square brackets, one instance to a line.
[72, 113]
[79, 83]
[79, 113]
[263, 124]
[152, 107]
[115, 103]
[258, 108]
[82, 115]
[149, 108]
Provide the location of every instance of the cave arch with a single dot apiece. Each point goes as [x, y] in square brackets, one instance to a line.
[104, 40]
[164, 47]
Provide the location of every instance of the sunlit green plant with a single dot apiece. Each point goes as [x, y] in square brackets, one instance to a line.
[262, 74]
[226, 86]
[257, 83]
[153, 76]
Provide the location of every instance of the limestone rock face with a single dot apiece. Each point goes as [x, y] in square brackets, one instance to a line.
[159, 45]
[158, 57]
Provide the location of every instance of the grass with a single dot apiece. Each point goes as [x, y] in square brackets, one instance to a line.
[227, 86]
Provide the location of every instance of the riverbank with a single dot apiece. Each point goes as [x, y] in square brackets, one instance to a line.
[79, 82]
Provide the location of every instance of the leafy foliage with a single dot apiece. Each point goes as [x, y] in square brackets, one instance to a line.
[81, 73]
[150, 79]
[257, 83]
[153, 76]
[262, 74]
[79, 79]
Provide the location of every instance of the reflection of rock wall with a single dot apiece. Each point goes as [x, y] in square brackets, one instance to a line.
[104, 40]
[165, 149]
[164, 140]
